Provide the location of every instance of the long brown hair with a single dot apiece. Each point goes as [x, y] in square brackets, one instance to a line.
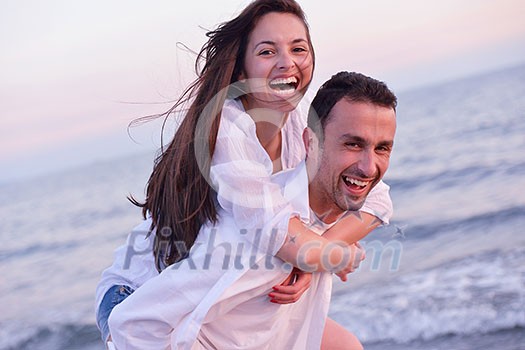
[178, 196]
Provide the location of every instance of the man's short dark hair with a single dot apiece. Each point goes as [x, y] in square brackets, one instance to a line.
[355, 87]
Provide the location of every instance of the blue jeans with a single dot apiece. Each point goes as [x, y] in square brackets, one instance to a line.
[114, 296]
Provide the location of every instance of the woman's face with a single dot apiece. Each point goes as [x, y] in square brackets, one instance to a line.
[278, 62]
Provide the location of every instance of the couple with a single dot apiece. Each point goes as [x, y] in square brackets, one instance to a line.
[244, 194]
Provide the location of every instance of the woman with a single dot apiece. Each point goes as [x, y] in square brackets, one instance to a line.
[251, 134]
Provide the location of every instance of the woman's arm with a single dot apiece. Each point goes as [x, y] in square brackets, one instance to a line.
[355, 225]
[376, 210]
[303, 246]
[242, 175]
[352, 228]
[311, 252]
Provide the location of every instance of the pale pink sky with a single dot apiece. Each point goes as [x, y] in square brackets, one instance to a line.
[66, 66]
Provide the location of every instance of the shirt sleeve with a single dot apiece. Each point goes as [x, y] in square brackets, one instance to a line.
[141, 322]
[241, 174]
[379, 203]
[133, 263]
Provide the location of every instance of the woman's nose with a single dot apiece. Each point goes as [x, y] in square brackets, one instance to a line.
[285, 61]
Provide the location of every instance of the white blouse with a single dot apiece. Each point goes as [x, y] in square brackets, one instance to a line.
[241, 171]
[214, 298]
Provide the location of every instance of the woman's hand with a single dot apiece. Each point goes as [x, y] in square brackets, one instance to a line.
[292, 287]
[357, 255]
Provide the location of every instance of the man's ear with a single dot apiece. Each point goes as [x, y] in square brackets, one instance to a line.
[311, 144]
[310, 141]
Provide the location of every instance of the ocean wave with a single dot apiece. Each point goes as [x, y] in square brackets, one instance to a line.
[56, 337]
[51, 248]
[478, 294]
[471, 224]
[502, 339]
[439, 178]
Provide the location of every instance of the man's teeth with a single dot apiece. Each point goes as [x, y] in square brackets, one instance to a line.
[352, 181]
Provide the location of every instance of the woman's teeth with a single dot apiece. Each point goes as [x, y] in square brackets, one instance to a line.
[284, 85]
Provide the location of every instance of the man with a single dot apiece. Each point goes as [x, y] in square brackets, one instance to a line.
[349, 141]
[353, 131]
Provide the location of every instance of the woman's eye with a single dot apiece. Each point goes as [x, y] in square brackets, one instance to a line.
[265, 52]
[299, 49]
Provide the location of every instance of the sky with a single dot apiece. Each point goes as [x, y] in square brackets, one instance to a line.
[73, 74]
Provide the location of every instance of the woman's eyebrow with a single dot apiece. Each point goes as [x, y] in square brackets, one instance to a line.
[270, 42]
[264, 42]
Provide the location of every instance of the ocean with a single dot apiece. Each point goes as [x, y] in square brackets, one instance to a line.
[447, 273]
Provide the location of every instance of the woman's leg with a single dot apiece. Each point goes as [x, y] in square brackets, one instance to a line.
[114, 296]
[336, 337]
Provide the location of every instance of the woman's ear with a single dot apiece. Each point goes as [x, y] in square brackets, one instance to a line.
[241, 76]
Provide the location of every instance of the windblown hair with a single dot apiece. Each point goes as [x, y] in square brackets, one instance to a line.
[354, 87]
[178, 196]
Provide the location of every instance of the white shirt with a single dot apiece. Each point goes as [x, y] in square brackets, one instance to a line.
[241, 173]
[241, 170]
[198, 296]
[168, 311]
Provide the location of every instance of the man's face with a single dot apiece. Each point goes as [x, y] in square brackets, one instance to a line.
[354, 156]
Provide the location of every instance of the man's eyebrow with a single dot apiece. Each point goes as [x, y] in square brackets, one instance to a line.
[387, 143]
[352, 138]
[359, 139]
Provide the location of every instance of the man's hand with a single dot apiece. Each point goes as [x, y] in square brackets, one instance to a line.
[292, 287]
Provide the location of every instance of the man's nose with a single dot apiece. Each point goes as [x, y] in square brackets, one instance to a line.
[367, 163]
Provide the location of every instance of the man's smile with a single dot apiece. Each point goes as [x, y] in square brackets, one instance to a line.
[355, 186]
